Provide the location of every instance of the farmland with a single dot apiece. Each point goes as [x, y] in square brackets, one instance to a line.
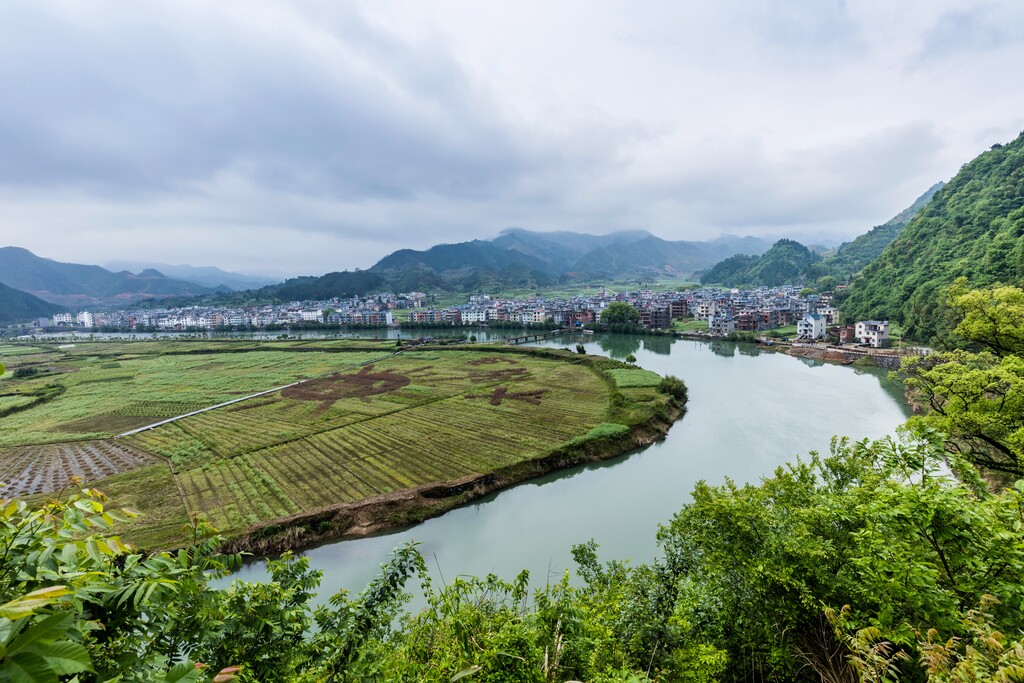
[354, 422]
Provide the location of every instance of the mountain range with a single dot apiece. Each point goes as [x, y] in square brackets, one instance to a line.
[72, 284]
[789, 262]
[519, 257]
[208, 276]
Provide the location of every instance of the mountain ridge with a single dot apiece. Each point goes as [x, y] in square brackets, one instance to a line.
[74, 284]
[973, 227]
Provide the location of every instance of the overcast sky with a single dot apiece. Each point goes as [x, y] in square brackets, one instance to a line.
[305, 137]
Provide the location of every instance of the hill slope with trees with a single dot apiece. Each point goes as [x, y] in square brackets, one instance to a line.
[787, 262]
[854, 256]
[17, 306]
[972, 228]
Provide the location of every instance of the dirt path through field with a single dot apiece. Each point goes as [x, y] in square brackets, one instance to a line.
[246, 398]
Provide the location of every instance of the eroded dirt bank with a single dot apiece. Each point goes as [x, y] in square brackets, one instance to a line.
[409, 506]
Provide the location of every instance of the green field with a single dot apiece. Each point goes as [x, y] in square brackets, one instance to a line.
[365, 422]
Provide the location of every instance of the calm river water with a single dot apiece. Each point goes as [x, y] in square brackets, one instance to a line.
[749, 412]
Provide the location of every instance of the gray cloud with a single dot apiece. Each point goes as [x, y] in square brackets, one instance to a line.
[312, 136]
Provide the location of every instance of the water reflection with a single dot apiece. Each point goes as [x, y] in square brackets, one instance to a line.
[660, 345]
[619, 345]
[723, 348]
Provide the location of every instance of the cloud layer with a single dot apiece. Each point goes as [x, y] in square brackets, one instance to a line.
[313, 136]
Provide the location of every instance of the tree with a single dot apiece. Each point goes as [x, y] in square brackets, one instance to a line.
[620, 313]
[826, 283]
[992, 318]
[878, 526]
[978, 398]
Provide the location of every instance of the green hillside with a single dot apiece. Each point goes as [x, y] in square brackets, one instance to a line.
[17, 306]
[971, 228]
[787, 262]
[852, 257]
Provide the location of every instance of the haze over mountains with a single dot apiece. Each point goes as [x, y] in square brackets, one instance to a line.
[73, 284]
[208, 276]
[519, 257]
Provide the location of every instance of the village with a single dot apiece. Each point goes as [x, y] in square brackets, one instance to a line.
[707, 311]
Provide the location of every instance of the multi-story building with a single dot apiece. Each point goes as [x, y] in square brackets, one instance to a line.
[873, 332]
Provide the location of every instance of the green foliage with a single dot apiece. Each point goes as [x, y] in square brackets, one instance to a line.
[785, 263]
[878, 526]
[674, 387]
[634, 377]
[17, 306]
[971, 228]
[992, 318]
[620, 313]
[852, 257]
[977, 399]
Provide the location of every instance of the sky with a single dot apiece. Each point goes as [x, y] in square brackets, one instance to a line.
[306, 137]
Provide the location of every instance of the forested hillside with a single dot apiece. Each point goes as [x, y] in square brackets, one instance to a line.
[852, 257]
[17, 306]
[972, 228]
[787, 262]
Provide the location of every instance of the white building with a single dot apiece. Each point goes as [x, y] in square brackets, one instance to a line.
[721, 322]
[872, 332]
[61, 319]
[85, 319]
[474, 315]
[811, 326]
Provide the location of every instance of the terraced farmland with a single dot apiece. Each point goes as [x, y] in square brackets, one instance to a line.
[360, 425]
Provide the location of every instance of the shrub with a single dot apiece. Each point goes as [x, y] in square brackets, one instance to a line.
[674, 387]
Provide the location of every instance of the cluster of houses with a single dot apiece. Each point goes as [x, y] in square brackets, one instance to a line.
[725, 310]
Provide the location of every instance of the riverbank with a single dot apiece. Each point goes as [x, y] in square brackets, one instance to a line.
[410, 506]
[888, 359]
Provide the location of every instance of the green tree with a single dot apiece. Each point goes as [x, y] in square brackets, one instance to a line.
[878, 526]
[978, 398]
[620, 313]
[992, 318]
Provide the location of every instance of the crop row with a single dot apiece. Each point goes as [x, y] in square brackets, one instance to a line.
[45, 468]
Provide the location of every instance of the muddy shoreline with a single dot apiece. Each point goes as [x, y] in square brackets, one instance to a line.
[410, 506]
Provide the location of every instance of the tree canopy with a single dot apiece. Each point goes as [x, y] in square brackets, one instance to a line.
[620, 313]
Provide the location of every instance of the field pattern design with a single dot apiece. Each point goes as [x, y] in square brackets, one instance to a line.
[387, 426]
[362, 422]
[105, 383]
[30, 470]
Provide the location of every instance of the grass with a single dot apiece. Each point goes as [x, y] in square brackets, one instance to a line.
[689, 325]
[634, 377]
[353, 431]
[151, 381]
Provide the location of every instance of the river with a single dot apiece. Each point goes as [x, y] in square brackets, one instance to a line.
[749, 412]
